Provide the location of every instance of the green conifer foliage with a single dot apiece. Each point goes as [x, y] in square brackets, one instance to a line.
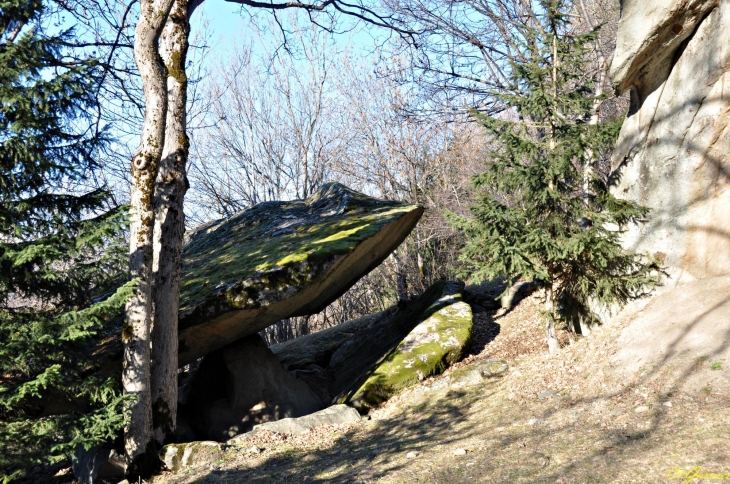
[543, 212]
[59, 246]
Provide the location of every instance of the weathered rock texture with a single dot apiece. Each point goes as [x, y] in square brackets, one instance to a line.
[336, 362]
[334, 415]
[191, 454]
[239, 386]
[437, 341]
[274, 261]
[681, 338]
[672, 154]
[281, 259]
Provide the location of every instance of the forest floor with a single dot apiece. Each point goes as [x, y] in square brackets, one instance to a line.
[569, 418]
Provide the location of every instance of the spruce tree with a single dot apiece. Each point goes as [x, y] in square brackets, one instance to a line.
[543, 211]
[60, 246]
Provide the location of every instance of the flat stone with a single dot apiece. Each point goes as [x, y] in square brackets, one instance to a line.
[547, 394]
[336, 414]
[460, 452]
[667, 404]
[411, 454]
[641, 409]
[532, 421]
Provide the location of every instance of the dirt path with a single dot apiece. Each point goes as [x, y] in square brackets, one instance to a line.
[572, 418]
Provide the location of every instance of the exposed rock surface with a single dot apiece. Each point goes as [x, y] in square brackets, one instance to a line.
[672, 154]
[277, 260]
[191, 454]
[334, 362]
[282, 259]
[477, 372]
[436, 342]
[334, 415]
[239, 386]
[682, 325]
[98, 464]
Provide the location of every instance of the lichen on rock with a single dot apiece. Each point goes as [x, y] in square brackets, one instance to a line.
[281, 259]
[437, 342]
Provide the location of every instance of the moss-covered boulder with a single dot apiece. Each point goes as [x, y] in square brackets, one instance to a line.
[281, 259]
[366, 360]
[334, 361]
[439, 340]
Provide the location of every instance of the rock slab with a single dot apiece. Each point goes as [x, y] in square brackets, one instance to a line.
[334, 415]
[335, 361]
[435, 343]
[191, 454]
[274, 261]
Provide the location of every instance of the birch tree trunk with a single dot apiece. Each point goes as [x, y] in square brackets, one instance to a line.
[169, 228]
[138, 445]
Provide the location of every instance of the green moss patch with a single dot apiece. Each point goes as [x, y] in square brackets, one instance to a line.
[275, 246]
[438, 341]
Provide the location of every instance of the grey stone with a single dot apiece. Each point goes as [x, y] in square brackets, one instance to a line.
[672, 153]
[641, 409]
[336, 414]
[239, 386]
[191, 454]
[335, 362]
[547, 394]
[649, 32]
[274, 261]
[516, 293]
[435, 343]
[476, 372]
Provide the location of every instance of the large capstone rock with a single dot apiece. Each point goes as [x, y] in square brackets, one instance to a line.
[281, 259]
[438, 341]
[336, 362]
[672, 153]
[274, 261]
[238, 387]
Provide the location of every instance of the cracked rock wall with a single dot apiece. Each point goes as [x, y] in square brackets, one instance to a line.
[673, 152]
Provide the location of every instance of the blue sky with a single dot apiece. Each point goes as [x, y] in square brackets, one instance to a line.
[228, 25]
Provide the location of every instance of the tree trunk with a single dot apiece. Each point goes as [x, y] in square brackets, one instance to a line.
[399, 276]
[552, 340]
[139, 448]
[169, 228]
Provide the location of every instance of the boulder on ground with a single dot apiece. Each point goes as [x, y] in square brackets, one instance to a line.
[477, 372]
[237, 387]
[438, 341]
[281, 259]
[191, 454]
[335, 361]
[334, 415]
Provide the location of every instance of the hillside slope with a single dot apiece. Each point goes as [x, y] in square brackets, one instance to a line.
[582, 416]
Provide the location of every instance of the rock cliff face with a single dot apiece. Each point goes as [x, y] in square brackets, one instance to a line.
[673, 153]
